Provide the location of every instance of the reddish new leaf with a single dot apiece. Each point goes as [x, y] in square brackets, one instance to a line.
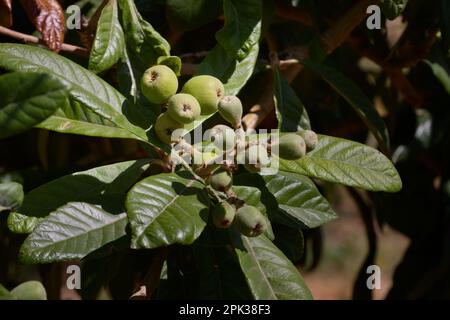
[48, 17]
[5, 13]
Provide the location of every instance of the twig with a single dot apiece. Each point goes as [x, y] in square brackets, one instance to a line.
[26, 38]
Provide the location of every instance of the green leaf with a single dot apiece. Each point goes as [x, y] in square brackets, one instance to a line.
[270, 275]
[11, 195]
[233, 59]
[252, 197]
[187, 15]
[173, 62]
[299, 201]
[26, 99]
[140, 35]
[87, 89]
[291, 112]
[357, 100]
[77, 119]
[22, 224]
[234, 74]
[71, 232]
[349, 163]
[5, 294]
[393, 8]
[90, 186]
[242, 27]
[165, 209]
[109, 40]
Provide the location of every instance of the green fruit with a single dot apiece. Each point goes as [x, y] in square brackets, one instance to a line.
[30, 290]
[220, 180]
[208, 91]
[290, 146]
[167, 129]
[257, 155]
[223, 215]
[250, 221]
[159, 83]
[310, 138]
[183, 108]
[230, 108]
[223, 137]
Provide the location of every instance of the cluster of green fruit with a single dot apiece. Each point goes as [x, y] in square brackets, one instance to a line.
[248, 219]
[201, 95]
[204, 95]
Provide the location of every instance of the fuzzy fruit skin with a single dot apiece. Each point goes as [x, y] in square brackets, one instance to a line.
[257, 155]
[223, 137]
[208, 91]
[183, 108]
[223, 215]
[230, 108]
[250, 221]
[165, 126]
[310, 138]
[290, 146]
[30, 290]
[220, 180]
[159, 83]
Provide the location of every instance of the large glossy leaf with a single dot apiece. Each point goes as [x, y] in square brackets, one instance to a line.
[291, 112]
[186, 15]
[165, 209]
[93, 185]
[234, 74]
[252, 196]
[270, 275]
[72, 232]
[22, 224]
[357, 99]
[11, 195]
[77, 119]
[299, 201]
[233, 59]
[86, 88]
[242, 27]
[349, 163]
[140, 35]
[109, 40]
[27, 99]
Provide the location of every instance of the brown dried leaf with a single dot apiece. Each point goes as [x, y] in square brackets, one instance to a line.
[48, 17]
[5, 13]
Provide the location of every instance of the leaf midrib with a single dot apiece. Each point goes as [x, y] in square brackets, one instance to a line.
[120, 217]
[190, 183]
[253, 254]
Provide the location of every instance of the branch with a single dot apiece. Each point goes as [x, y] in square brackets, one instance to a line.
[26, 38]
